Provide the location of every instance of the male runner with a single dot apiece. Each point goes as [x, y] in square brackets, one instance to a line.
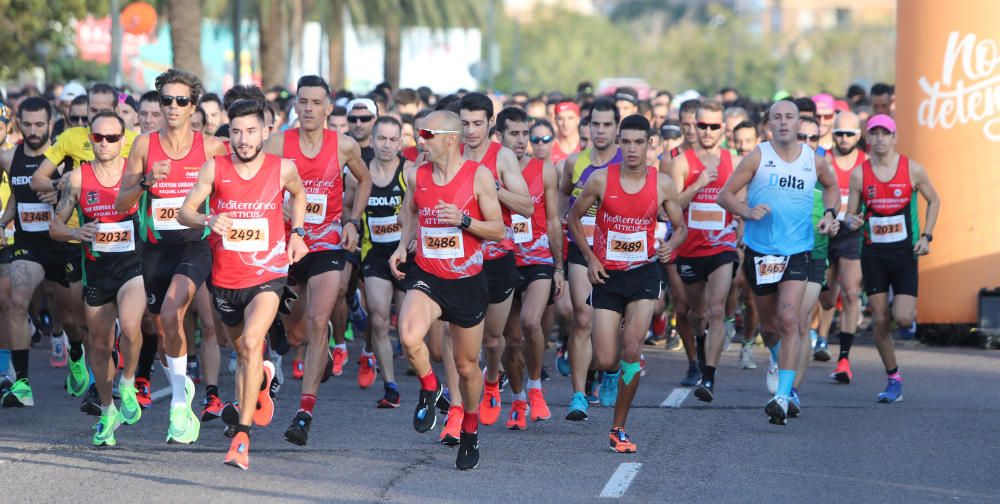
[883, 202]
[112, 271]
[318, 154]
[250, 256]
[621, 266]
[177, 259]
[567, 129]
[150, 115]
[779, 177]
[452, 208]
[707, 260]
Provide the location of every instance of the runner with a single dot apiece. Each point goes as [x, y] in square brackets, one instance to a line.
[112, 271]
[453, 207]
[883, 202]
[622, 267]
[779, 177]
[150, 115]
[568, 129]
[250, 256]
[176, 260]
[319, 155]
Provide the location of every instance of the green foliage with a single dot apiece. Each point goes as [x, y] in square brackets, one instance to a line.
[36, 31]
[65, 69]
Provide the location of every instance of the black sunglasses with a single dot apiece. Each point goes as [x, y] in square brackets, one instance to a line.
[167, 100]
[98, 138]
[541, 139]
[711, 126]
[360, 119]
[78, 119]
[812, 138]
[845, 133]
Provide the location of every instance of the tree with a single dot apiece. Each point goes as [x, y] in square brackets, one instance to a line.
[272, 44]
[185, 34]
[37, 31]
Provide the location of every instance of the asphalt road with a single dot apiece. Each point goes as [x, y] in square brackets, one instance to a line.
[942, 444]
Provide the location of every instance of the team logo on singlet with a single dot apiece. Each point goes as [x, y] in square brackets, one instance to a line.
[897, 193]
[871, 192]
[91, 197]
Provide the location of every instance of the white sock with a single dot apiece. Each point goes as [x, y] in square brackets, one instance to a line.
[178, 371]
[534, 383]
[366, 354]
[109, 409]
[518, 397]
[342, 346]
[125, 382]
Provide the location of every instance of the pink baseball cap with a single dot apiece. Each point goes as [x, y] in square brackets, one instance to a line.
[823, 101]
[881, 121]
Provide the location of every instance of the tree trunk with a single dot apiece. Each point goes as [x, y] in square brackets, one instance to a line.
[185, 34]
[272, 48]
[393, 47]
[335, 35]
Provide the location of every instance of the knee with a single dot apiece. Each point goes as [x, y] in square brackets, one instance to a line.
[904, 320]
[514, 341]
[100, 346]
[582, 316]
[245, 349]
[851, 294]
[467, 367]
[606, 362]
[411, 334]
[172, 320]
[716, 312]
[788, 322]
[316, 325]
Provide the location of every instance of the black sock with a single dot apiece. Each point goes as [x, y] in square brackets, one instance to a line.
[19, 358]
[147, 356]
[692, 365]
[709, 374]
[242, 428]
[212, 390]
[700, 350]
[75, 349]
[892, 371]
[846, 340]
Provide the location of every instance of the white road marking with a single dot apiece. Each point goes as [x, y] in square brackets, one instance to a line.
[675, 398]
[160, 394]
[621, 479]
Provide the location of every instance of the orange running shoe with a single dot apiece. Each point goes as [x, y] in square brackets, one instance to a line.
[366, 370]
[298, 369]
[265, 405]
[339, 358]
[452, 430]
[620, 442]
[843, 372]
[238, 455]
[489, 406]
[539, 409]
[142, 392]
[518, 418]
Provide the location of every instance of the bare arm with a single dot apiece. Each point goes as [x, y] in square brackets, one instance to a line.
[408, 212]
[70, 197]
[592, 191]
[740, 178]
[920, 180]
[188, 214]
[675, 214]
[678, 174]
[513, 192]
[491, 227]
[131, 191]
[45, 177]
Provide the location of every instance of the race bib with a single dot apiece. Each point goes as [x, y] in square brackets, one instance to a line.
[706, 216]
[315, 208]
[247, 235]
[661, 231]
[115, 237]
[627, 247]
[843, 207]
[769, 268]
[589, 222]
[442, 242]
[34, 217]
[165, 212]
[522, 228]
[890, 229]
[384, 229]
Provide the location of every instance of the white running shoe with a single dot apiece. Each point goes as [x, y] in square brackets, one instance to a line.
[772, 376]
[746, 357]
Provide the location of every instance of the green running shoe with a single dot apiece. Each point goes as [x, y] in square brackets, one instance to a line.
[349, 332]
[184, 425]
[104, 429]
[78, 378]
[130, 411]
[19, 395]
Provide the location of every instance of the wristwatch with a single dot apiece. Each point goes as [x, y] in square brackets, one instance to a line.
[497, 181]
[301, 231]
[143, 184]
[831, 212]
[345, 220]
[928, 236]
[466, 222]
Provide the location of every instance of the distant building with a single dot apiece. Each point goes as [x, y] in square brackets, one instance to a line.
[794, 17]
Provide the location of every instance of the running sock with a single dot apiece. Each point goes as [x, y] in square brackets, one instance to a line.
[709, 374]
[4, 361]
[786, 377]
[774, 351]
[520, 396]
[365, 353]
[212, 390]
[390, 386]
[342, 346]
[700, 350]
[109, 409]
[126, 382]
[846, 340]
[242, 428]
[75, 349]
[487, 385]
[470, 422]
[307, 403]
[893, 373]
[147, 355]
[534, 383]
[19, 358]
[429, 381]
[177, 368]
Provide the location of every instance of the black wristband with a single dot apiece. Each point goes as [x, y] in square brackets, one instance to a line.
[831, 212]
[466, 222]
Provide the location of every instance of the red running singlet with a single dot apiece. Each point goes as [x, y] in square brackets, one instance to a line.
[442, 250]
[324, 183]
[159, 205]
[711, 229]
[531, 237]
[115, 231]
[623, 235]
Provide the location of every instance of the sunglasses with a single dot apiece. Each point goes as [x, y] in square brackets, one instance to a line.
[826, 117]
[846, 133]
[428, 134]
[812, 138]
[711, 126]
[98, 138]
[167, 100]
[541, 139]
[360, 119]
[77, 119]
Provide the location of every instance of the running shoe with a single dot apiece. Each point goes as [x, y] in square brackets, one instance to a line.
[772, 376]
[746, 356]
[504, 381]
[843, 372]
[489, 406]
[356, 311]
[562, 361]
[91, 404]
[620, 441]
[451, 433]
[18, 395]
[673, 343]
[777, 410]
[104, 429]
[366, 370]
[298, 369]
[692, 377]
[275, 387]
[298, 432]
[184, 425]
[279, 374]
[264, 412]
[276, 335]
[212, 408]
[593, 386]
[389, 400]
[468, 451]
[5, 386]
[339, 357]
[130, 410]
[609, 389]
[821, 351]
[194, 369]
[730, 329]
[328, 367]
[518, 417]
[142, 393]
[578, 407]
[705, 391]
[238, 455]
[78, 378]
[231, 417]
[545, 374]
[539, 408]
[794, 404]
[444, 402]
[893, 392]
[60, 354]
[424, 418]
[349, 332]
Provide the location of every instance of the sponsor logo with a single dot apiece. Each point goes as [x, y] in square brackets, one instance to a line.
[970, 74]
[419, 284]
[786, 182]
[897, 193]
[150, 299]
[91, 197]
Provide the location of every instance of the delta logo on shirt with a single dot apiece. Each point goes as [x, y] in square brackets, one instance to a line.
[786, 182]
